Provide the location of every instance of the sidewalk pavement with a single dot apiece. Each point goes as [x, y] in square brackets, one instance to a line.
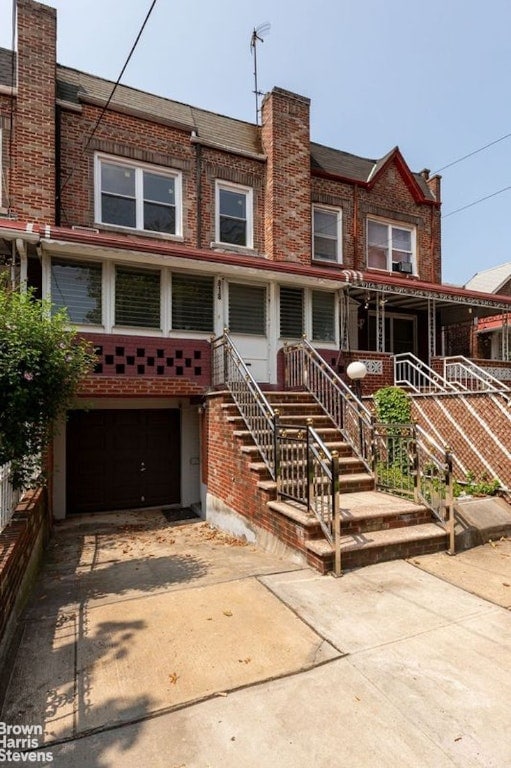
[151, 644]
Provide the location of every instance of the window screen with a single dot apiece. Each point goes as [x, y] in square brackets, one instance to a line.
[77, 287]
[323, 316]
[137, 297]
[192, 302]
[291, 313]
[247, 309]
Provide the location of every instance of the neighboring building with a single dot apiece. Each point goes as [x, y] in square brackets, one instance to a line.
[158, 225]
[493, 334]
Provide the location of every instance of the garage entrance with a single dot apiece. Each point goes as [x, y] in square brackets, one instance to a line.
[122, 459]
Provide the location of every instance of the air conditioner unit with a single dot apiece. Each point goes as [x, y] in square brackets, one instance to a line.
[405, 266]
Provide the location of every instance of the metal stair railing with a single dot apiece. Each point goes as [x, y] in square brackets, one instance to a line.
[414, 374]
[229, 369]
[296, 458]
[467, 376]
[408, 462]
[305, 368]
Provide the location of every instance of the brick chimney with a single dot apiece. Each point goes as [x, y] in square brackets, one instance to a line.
[34, 129]
[285, 137]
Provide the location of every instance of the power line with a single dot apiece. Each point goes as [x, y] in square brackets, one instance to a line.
[476, 202]
[471, 154]
[98, 121]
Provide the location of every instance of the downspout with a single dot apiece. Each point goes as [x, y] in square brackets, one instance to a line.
[58, 168]
[198, 187]
[356, 265]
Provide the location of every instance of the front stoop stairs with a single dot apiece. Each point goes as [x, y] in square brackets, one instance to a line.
[375, 526]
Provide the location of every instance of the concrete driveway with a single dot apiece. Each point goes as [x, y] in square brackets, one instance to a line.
[149, 643]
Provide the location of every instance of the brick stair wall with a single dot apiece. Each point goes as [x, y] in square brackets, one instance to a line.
[486, 442]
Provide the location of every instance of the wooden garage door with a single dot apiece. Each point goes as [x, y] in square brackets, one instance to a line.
[120, 459]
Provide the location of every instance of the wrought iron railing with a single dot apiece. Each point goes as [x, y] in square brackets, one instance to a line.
[9, 496]
[408, 462]
[230, 370]
[297, 459]
[415, 375]
[305, 368]
[307, 472]
[466, 376]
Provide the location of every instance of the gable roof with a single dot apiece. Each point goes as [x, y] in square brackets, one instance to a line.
[490, 280]
[364, 170]
[74, 88]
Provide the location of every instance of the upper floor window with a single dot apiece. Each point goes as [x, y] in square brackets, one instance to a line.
[138, 197]
[390, 247]
[327, 238]
[234, 215]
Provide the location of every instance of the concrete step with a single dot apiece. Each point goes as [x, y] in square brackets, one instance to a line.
[342, 448]
[347, 465]
[377, 546]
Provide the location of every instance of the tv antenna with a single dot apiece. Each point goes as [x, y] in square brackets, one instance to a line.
[257, 36]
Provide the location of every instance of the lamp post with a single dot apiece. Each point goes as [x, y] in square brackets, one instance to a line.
[356, 372]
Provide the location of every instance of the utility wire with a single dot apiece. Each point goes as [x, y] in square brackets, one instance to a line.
[476, 202]
[98, 121]
[471, 154]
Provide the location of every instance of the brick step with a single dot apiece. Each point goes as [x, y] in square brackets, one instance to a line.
[342, 448]
[347, 465]
[377, 546]
[360, 481]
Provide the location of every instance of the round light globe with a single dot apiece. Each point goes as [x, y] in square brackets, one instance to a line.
[356, 370]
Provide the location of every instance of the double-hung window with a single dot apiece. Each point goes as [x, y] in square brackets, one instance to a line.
[390, 247]
[138, 197]
[234, 205]
[327, 237]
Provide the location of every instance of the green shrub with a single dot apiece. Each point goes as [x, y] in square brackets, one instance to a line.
[41, 364]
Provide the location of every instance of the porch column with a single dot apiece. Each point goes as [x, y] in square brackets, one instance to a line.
[505, 336]
[380, 324]
[431, 330]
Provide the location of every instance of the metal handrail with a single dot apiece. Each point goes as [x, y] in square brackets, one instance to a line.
[307, 472]
[410, 463]
[413, 373]
[460, 369]
[306, 368]
[296, 457]
[230, 370]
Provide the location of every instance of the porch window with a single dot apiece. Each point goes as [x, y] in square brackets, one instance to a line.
[234, 215]
[247, 309]
[138, 197]
[291, 312]
[137, 297]
[390, 248]
[77, 288]
[323, 316]
[327, 234]
[192, 302]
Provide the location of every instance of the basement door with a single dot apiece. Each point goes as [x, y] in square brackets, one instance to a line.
[122, 459]
[248, 326]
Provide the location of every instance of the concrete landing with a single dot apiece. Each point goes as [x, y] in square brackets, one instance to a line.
[480, 519]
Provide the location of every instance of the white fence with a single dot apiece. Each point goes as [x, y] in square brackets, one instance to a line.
[8, 496]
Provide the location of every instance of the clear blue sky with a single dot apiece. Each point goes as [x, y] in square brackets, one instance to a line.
[431, 77]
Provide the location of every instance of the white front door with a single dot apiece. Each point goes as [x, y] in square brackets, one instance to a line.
[247, 321]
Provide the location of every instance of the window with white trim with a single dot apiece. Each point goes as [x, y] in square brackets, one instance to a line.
[390, 247]
[247, 309]
[234, 215]
[327, 234]
[76, 287]
[136, 196]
